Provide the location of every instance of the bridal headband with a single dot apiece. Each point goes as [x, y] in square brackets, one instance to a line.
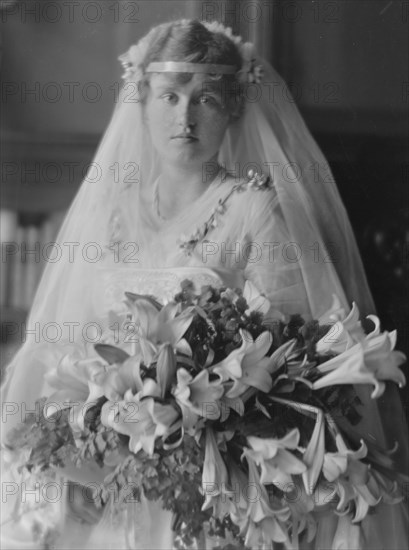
[250, 72]
[183, 67]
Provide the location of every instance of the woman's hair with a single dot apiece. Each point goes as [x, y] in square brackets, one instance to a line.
[190, 41]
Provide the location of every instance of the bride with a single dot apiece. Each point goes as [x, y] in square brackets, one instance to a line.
[206, 172]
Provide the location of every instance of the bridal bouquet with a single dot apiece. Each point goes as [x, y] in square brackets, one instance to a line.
[237, 419]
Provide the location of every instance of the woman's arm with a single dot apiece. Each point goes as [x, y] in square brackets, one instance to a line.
[296, 274]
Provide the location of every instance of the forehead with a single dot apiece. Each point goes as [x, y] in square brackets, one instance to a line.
[186, 82]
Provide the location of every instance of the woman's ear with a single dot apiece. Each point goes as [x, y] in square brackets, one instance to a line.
[236, 112]
[236, 107]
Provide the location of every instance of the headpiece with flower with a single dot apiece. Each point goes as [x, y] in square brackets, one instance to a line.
[250, 71]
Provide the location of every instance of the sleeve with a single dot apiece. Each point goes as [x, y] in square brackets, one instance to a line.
[292, 270]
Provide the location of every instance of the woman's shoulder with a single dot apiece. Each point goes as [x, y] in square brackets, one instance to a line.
[250, 193]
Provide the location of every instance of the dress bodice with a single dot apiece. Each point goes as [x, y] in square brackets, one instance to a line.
[162, 283]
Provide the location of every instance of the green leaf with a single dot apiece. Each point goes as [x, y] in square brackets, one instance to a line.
[111, 354]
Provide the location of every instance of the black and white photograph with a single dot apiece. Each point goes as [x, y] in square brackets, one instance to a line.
[204, 274]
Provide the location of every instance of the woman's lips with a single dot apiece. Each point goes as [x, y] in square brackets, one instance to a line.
[185, 137]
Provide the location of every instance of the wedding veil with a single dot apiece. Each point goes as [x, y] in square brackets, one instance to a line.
[270, 137]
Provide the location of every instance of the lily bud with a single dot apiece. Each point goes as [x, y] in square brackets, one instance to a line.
[165, 368]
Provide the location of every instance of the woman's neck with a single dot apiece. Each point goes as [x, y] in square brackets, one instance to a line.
[178, 186]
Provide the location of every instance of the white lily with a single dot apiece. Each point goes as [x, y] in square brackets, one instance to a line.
[140, 418]
[198, 398]
[335, 313]
[355, 482]
[165, 368]
[159, 325]
[276, 462]
[362, 359]
[348, 368]
[215, 479]
[343, 334]
[301, 506]
[348, 535]
[120, 378]
[255, 300]
[336, 463]
[313, 455]
[381, 358]
[368, 362]
[78, 388]
[248, 365]
[265, 524]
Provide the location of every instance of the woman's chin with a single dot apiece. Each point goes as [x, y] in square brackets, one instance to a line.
[187, 158]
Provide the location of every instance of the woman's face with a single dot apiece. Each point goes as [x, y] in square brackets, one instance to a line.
[172, 107]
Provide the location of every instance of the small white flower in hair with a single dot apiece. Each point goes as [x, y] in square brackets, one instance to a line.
[250, 71]
[133, 59]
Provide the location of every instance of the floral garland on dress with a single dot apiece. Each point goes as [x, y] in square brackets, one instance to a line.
[254, 182]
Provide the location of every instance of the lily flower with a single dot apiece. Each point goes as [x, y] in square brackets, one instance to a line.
[355, 484]
[215, 479]
[165, 368]
[388, 490]
[248, 365]
[335, 313]
[143, 420]
[255, 300]
[344, 333]
[336, 340]
[381, 362]
[347, 535]
[358, 492]
[239, 483]
[264, 523]
[276, 462]
[121, 378]
[313, 455]
[348, 368]
[368, 362]
[198, 398]
[159, 325]
[301, 506]
[77, 387]
[382, 359]
[336, 464]
[124, 334]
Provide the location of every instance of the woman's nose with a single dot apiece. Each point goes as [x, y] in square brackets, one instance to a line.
[185, 115]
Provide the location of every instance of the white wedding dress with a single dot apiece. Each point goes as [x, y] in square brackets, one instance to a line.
[242, 246]
[250, 241]
[113, 240]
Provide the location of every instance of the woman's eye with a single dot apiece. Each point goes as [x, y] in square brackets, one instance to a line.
[206, 99]
[169, 98]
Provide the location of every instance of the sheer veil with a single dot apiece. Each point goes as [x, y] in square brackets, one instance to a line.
[270, 137]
